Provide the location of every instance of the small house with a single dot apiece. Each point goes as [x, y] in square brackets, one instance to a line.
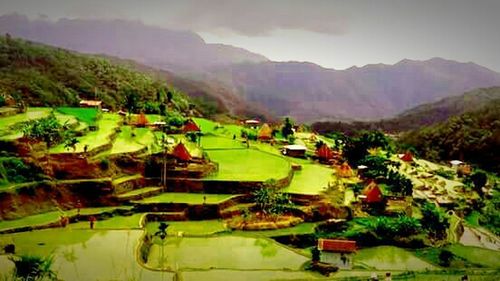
[337, 252]
[91, 103]
[294, 150]
[324, 153]
[265, 133]
[252, 123]
[190, 126]
[181, 153]
[407, 157]
[373, 193]
[344, 170]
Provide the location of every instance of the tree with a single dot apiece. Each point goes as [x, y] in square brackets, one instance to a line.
[315, 254]
[46, 129]
[131, 102]
[169, 96]
[479, 180]
[33, 267]
[434, 220]
[445, 257]
[287, 128]
[270, 201]
[71, 142]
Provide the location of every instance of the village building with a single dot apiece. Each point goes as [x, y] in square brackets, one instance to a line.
[294, 150]
[372, 194]
[190, 126]
[265, 133]
[325, 153]
[181, 153]
[407, 157]
[252, 123]
[344, 170]
[337, 252]
[91, 103]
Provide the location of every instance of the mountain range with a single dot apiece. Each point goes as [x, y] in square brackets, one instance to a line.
[233, 77]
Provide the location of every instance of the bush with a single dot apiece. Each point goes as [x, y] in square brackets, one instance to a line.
[16, 171]
[434, 220]
[46, 129]
[447, 174]
[445, 257]
[33, 268]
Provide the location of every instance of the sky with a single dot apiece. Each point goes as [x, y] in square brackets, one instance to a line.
[332, 33]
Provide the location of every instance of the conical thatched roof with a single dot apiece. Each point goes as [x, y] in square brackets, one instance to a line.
[324, 152]
[190, 126]
[344, 171]
[373, 193]
[265, 132]
[181, 153]
[407, 157]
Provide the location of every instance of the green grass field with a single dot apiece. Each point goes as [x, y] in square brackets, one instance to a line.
[50, 217]
[390, 258]
[189, 228]
[87, 115]
[312, 179]
[225, 252]
[481, 256]
[248, 165]
[133, 139]
[107, 125]
[214, 142]
[188, 198]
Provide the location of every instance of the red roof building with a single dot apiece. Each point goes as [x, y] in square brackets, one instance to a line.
[324, 152]
[181, 153]
[141, 121]
[407, 157]
[373, 193]
[190, 126]
[337, 246]
[344, 171]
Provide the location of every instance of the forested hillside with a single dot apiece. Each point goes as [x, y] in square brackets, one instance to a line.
[423, 115]
[45, 76]
[473, 137]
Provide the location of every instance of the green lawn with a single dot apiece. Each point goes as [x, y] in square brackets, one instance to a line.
[31, 114]
[87, 115]
[213, 142]
[248, 165]
[107, 125]
[88, 255]
[390, 258]
[224, 252]
[116, 222]
[189, 198]
[131, 139]
[303, 228]
[312, 179]
[190, 228]
[211, 127]
[50, 217]
[484, 257]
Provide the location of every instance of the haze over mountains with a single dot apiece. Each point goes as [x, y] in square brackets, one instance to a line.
[305, 91]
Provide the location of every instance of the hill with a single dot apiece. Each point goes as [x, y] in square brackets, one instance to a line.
[420, 116]
[472, 137]
[311, 93]
[158, 47]
[305, 91]
[46, 76]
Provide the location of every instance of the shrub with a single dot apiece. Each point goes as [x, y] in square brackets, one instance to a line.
[33, 268]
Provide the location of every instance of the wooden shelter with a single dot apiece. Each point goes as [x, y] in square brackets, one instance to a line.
[265, 132]
[373, 193]
[324, 152]
[91, 103]
[344, 170]
[337, 252]
[141, 120]
[407, 157]
[190, 126]
[294, 150]
[181, 153]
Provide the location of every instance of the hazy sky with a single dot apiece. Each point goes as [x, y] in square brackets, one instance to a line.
[336, 34]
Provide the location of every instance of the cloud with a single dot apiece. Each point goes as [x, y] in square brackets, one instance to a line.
[243, 17]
